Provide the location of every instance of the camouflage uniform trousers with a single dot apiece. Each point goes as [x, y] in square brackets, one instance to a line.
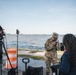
[48, 62]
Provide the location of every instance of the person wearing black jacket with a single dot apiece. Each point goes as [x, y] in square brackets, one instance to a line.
[1, 40]
[1, 51]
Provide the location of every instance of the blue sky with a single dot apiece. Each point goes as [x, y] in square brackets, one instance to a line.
[38, 16]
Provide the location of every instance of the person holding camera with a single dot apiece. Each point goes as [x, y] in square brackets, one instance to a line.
[51, 47]
[1, 41]
[68, 60]
[1, 51]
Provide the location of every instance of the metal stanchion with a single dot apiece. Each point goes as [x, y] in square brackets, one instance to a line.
[17, 32]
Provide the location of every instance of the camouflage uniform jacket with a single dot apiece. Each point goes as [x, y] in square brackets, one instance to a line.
[50, 49]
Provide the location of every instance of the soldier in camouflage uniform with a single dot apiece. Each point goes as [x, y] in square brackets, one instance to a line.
[51, 47]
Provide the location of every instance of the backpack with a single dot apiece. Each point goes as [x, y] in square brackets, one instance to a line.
[11, 71]
[34, 70]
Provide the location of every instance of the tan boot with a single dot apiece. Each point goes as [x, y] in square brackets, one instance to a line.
[47, 73]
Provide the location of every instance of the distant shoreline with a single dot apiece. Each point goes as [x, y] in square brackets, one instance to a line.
[39, 53]
[36, 54]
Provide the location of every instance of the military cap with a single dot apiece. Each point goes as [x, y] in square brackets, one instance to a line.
[55, 35]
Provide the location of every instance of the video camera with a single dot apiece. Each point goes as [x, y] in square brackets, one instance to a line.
[61, 47]
[2, 34]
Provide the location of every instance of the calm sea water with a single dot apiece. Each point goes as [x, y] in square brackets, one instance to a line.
[28, 41]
